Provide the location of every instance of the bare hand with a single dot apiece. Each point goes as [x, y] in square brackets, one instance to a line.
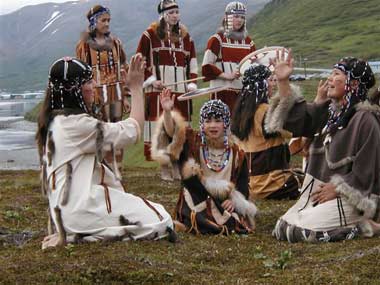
[325, 192]
[135, 76]
[167, 100]
[228, 205]
[283, 65]
[158, 84]
[321, 92]
[229, 76]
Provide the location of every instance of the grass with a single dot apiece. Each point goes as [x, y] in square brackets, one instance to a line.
[321, 31]
[253, 259]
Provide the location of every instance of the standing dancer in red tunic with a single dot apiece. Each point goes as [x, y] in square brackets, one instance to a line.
[225, 50]
[171, 58]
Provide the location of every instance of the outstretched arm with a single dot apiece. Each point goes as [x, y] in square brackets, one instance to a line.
[167, 103]
[135, 79]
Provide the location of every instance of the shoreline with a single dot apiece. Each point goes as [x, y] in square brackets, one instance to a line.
[25, 156]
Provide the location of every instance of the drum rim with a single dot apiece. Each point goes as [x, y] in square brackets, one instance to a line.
[214, 89]
[264, 49]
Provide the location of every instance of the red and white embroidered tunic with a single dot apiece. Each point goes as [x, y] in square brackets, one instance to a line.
[169, 60]
[224, 54]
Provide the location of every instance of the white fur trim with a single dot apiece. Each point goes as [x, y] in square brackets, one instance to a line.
[279, 108]
[218, 188]
[244, 207]
[368, 205]
[162, 149]
[367, 106]
[366, 229]
[191, 168]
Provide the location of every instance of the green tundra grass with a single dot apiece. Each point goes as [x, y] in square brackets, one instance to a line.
[250, 259]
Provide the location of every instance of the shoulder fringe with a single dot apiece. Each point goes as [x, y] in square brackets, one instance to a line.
[279, 108]
[369, 205]
[67, 186]
[99, 141]
[164, 149]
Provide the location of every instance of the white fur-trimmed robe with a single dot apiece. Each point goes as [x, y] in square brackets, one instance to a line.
[76, 139]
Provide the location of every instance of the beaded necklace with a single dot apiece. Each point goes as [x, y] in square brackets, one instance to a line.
[216, 165]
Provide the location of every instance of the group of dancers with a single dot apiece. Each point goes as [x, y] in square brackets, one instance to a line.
[238, 155]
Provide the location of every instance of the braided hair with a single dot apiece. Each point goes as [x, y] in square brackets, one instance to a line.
[253, 93]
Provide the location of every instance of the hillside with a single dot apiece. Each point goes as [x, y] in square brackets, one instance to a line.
[32, 37]
[321, 31]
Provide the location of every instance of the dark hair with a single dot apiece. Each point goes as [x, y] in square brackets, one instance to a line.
[90, 13]
[253, 93]
[43, 122]
[162, 29]
[94, 10]
[45, 117]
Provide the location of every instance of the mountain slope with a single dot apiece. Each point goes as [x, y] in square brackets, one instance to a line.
[32, 37]
[321, 31]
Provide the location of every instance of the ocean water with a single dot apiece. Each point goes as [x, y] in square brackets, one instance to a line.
[17, 144]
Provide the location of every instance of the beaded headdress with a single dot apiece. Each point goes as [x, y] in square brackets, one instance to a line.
[66, 77]
[234, 8]
[355, 69]
[94, 15]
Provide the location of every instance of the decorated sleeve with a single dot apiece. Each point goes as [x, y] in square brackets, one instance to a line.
[144, 49]
[81, 51]
[193, 61]
[209, 70]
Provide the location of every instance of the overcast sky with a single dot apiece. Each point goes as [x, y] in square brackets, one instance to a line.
[8, 6]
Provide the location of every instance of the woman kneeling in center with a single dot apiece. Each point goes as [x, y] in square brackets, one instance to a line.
[214, 171]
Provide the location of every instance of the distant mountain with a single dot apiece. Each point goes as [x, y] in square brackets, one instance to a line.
[321, 31]
[32, 37]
